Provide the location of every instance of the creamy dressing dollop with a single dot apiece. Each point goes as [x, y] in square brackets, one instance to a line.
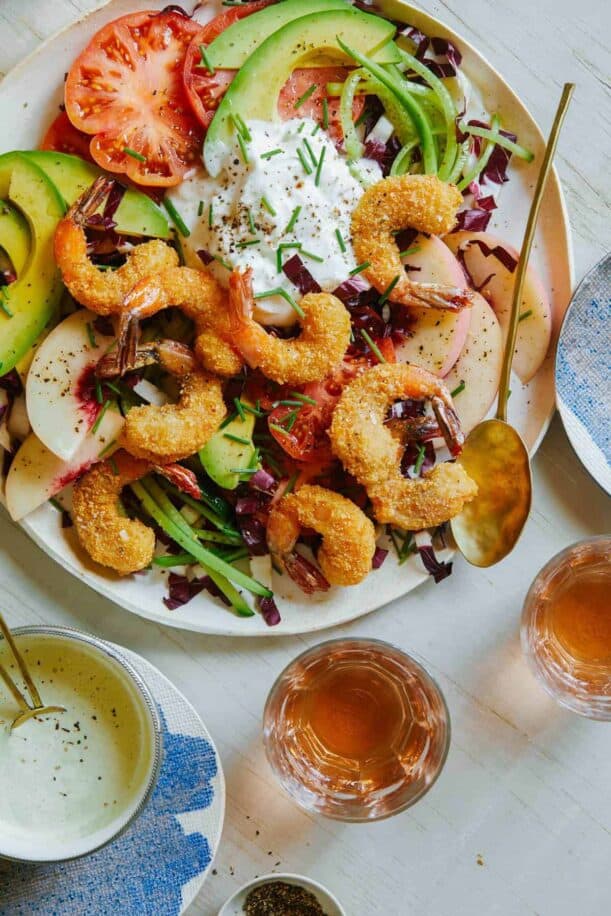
[254, 201]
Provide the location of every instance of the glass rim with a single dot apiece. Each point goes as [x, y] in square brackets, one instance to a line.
[447, 722]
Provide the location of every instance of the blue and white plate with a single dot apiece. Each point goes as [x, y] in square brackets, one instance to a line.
[159, 865]
[583, 372]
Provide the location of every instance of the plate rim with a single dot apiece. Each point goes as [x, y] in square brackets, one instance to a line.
[65, 562]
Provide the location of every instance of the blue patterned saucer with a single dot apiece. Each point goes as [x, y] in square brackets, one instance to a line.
[583, 372]
[158, 866]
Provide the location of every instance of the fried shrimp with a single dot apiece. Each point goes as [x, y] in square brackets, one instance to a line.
[421, 202]
[200, 297]
[123, 544]
[310, 357]
[168, 433]
[100, 291]
[348, 536]
[363, 441]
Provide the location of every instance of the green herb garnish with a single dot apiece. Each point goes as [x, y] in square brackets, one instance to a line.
[340, 241]
[271, 153]
[100, 417]
[291, 223]
[372, 346]
[205, 61]
[176, 217]
[458, 389]
[386, 294]
[90, 334]
[525, 315]
[325, 114]
[359, 268]
[134, 154]
[302, 397]
[306, 95]
[311, 153]
[304, 161]
[267, 206]
[319, 168]
[419, 460]
[278, 291]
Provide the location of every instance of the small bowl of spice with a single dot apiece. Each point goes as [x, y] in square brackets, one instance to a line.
[283, 895]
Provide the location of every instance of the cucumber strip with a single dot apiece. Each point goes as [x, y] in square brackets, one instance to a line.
[419, 119]
[176, 559]
[481, 162]
[495, 137]
[449, 110]
[403, 159]
[217, 537]
[462, 155]
[352, 143]
[203, 510]
[190, 545]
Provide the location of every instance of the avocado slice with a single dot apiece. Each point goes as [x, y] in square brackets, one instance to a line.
[222, 453]
[254, 92]
[235, 44]
[14, 236]
[137, 214]
[30, 301]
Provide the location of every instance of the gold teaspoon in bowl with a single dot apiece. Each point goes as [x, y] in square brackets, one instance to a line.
[27, 712]
[494, 455]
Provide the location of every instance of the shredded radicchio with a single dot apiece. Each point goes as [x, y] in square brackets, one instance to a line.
[254, 534]
[434, 567]
[383, 153]
[439, 55]
[411, 455]
[204, 256]
[300, 276]
[269, 611]
[505, 257]
[11, 383]
[115, 196]
[406, 410]
[473, 220]
[262, 480]
[172, 8]
[182, 589]
[378, 557]
[103, 325]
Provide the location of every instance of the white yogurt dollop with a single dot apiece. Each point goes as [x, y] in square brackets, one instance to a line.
[241, 217]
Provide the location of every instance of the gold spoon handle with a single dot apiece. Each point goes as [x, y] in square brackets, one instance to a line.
[33, 691]
[13, 689]
[501, 413]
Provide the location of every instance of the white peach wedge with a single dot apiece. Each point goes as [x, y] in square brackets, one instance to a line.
[438, 335]
[60, 387]
[36, 474]
[493, 278]
[476, 374]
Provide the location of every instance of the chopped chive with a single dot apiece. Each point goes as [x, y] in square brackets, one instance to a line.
[267, 206]
[301, 126]
[205, 61]
[225, 264]
[251, 222]
[419, 460]
[315, 131]
[359, 268]
[289, 421]
[279, 429]
[319, 168]
[408, 251]
[362, 118]
[386, 294]
[272, 152]
[458, 389]
[210, 215]
[90, 334]
[241, 127]
[107, 448]
[278, 291]
[253, 410]
[134, 154]
[288, 403]
[304, 161]
[311, 153]
[291, 223]
[243, 150]
[113, 465]
[302, 397]
[372, 346]
[248, 244]
[229, 419]
[100, 417]
[98, 392]
[291, 484]
[306, 95]
[200, 208]
[239, 439]
[340, 241]
[284, 247]
[525, 315]
[176, 217]
[325, 114]
[240, 409]
[56, 504]
[311, 255]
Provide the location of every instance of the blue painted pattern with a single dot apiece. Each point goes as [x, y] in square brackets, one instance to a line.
[140, 874]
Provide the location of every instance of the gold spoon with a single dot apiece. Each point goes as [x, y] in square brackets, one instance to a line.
[27, 711]
[494, 455]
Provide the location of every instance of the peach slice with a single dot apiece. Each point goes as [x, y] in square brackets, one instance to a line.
[60, 391]
[36, 474]
[495, 282]
[478, 369]
[438, 335]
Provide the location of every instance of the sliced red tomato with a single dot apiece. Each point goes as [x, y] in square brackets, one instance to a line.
[63, 137]
[205, 90]
[126, 90]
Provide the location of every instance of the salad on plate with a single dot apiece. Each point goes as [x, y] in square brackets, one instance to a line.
[249, 305]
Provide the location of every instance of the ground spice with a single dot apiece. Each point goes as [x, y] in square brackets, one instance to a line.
[280, 899]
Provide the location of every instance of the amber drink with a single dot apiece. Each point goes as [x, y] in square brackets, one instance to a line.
[566, 627]
[356, 730]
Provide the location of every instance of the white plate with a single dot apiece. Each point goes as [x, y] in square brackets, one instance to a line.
[29, 97]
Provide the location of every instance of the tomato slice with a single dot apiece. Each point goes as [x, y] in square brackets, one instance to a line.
[205, 90]
[63, 137]
[126, 90]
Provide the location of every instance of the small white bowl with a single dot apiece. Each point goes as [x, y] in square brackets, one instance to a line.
[329, 903]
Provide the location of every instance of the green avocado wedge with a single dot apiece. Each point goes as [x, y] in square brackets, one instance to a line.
[253, 94]
[14, 236]
[235, 44]
[29, 303]
[137, 214]
[229, 450]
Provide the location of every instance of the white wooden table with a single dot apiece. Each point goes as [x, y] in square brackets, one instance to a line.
[520, 820]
